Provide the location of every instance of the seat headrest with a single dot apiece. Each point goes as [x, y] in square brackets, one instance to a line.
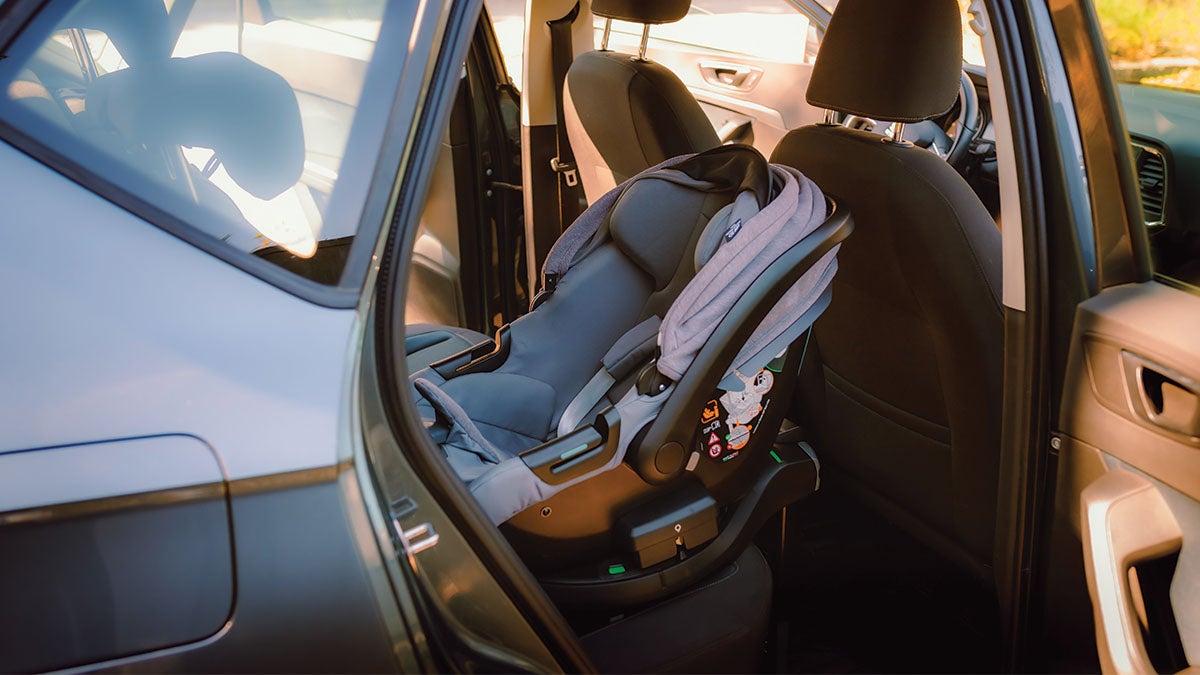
[245, 113]
[642, 11]
[139, 28]
[889, 61]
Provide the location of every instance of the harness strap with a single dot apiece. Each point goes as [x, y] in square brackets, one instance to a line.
[631, 350]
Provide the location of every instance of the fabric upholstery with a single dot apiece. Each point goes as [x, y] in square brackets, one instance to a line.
[894, 61]
[605, 305]
[626, 115]
[902, 391]
[642, 11]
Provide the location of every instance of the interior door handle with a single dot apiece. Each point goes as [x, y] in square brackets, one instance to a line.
[737, 76]
[1125, 521]
[1162, 396]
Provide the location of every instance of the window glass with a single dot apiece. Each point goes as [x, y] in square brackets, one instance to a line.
[508, 20]
[235, 120]
[1154, 50]
[764, 29]
[1153, 42]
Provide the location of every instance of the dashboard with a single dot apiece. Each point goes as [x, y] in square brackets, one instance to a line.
[1164, 128]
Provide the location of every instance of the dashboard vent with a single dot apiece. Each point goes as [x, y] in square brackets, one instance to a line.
[1152, 181]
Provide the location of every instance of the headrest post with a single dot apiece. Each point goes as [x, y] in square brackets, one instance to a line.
[830, 117]
[607, 32]
[645, 42]
[897, 135]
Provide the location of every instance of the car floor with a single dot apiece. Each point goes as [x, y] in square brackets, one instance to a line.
[857, 595]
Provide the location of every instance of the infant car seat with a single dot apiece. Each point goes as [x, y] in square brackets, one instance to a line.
[612, 445]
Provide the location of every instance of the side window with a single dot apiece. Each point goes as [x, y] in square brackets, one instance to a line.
[766, 30]
[743, 62]
[1154, 51]
[234, 117]
[508, 21]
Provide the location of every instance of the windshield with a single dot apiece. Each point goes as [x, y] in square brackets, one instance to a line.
[1153, 42]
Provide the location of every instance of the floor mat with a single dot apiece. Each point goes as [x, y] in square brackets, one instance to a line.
[857, 595]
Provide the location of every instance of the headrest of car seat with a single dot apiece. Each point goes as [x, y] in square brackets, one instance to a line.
[247, 114]
[139, 28]
[654, 220]
[893, 61]
[642, 11]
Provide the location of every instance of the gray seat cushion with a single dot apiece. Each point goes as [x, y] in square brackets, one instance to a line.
[426, 343]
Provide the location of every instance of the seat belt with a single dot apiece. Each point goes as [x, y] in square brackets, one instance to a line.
[561, 55]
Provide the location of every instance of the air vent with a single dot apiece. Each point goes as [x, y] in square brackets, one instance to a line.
[1152, 181]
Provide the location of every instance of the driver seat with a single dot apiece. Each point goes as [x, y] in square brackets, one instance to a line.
[901, 395]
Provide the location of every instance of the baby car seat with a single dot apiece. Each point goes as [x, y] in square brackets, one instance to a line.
[621, 433]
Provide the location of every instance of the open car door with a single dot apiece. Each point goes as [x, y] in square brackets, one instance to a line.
[1128, 431]
[1131, 416]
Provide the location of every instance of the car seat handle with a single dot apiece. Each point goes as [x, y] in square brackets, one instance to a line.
[655, 452]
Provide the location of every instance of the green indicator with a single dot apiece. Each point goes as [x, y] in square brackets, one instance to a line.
[776, 457]
[616, 569]
[573, 451]
[726, 436]
[775, 369]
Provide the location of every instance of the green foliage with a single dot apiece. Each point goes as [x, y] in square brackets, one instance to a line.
[1188, 78]
[1137, 30]
[1155, 42]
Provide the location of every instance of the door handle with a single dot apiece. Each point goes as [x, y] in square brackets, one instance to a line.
[737, 76]
[1162, 396]
[1125, 521]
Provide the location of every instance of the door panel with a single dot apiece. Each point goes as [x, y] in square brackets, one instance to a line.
[727, 85]
[1130, 472]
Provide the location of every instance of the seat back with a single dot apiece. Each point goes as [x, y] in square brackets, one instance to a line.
[625, 114]
[904, 393]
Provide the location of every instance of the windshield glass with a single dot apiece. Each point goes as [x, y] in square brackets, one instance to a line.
[1153, 42]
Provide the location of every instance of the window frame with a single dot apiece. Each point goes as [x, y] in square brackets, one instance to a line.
[375, 125]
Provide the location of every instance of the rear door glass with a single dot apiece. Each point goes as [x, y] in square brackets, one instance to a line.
[232, 116]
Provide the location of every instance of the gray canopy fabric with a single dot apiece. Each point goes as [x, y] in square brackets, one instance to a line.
[752, 240]
[483, 421]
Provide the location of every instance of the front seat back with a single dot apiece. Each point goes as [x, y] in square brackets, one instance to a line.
[905, 395]
[624, 113]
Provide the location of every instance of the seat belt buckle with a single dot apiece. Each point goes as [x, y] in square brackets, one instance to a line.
[567, 170]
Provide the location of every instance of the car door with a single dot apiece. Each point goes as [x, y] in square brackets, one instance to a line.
[469, 260]
[747, 65]
[1128, 432]
[193, 194]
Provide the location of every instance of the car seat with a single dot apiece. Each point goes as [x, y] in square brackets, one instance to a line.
[607, 442]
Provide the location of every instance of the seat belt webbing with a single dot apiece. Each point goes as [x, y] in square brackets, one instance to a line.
[561, 55]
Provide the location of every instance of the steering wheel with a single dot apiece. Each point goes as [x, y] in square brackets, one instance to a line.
[967, 122]
[929, 135]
